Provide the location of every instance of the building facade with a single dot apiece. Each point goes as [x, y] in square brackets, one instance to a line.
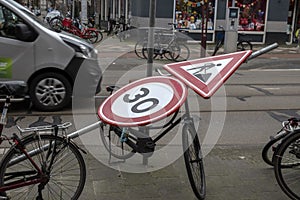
[260, 21]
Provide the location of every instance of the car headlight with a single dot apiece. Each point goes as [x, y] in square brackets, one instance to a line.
[86, 51]
[81, 49]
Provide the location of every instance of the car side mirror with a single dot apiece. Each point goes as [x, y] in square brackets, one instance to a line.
[25, 33]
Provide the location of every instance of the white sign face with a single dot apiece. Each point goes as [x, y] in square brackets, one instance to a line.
[207, 71]
[143, 100]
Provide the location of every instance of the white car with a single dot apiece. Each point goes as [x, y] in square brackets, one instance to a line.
[49, 62]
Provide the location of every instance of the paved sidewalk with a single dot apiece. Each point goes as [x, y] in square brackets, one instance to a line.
[232, 173]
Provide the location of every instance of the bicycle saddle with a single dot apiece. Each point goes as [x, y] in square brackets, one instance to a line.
[13, 88]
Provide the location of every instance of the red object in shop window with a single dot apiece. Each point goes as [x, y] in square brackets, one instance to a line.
[243, 21]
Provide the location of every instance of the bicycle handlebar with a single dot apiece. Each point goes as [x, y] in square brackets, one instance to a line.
[263, 50]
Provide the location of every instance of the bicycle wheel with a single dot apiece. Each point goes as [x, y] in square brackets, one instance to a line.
[110, 137]
[288, 178]
[193, 160]
[100, 36]
[168, 55]
[65, 177]
[269, 150]
[155, 51]
[180, 52]
[91, 36]
[56, 24]
[244, 45]
[138, 48]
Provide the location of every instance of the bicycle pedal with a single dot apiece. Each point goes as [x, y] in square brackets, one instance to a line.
[3, 198]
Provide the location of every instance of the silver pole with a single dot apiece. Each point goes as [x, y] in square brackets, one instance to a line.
[152, 14]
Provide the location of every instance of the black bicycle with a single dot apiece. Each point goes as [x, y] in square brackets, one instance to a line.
[287, 164]
[40, 165]
[272, 145]
[242, 44]
[123, 142]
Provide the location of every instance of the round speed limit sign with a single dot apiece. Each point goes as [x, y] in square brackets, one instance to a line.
[143, 102]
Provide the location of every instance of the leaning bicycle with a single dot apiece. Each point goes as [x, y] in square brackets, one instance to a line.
[122, 137]
[39, 166]
[271, 146]
[286, 160]
[167, 44]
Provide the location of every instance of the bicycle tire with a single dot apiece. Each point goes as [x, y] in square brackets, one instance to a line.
[145, 51]
[66, 181]
[138, 48]
[100, 36]
[288, 150]
[180, 52]
[111, 141]
[193, 163]
[244, 45]
[168, 56]
[56, 24]
[269, 149]
[91, 36]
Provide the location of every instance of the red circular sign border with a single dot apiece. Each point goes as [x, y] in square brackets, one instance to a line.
[179, 96]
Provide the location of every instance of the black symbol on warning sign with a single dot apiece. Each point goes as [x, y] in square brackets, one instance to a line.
[202, 72]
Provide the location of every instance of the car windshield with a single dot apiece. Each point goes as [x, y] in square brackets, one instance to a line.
[29, 13]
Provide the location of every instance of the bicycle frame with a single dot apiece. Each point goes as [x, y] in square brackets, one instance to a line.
[38, 179]
[71, 28]
[41, 177]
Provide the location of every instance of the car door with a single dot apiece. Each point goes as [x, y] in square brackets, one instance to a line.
[16, 56]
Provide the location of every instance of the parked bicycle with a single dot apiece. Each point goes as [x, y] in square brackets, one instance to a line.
[75, 27]
[271, 146]
[166, 45]
[287, 164]
[242, 44]
[118, 27]
[283, 152]
[39, 166]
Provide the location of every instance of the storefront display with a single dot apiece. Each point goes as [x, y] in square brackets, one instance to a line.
[252, 14]
[189, 14]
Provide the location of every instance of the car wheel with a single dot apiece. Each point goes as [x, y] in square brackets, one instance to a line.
[50, 92]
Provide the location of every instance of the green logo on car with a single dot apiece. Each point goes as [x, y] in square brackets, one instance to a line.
[5, 68]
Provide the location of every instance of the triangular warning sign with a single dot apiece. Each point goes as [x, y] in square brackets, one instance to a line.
[207, 71]
[206, 75]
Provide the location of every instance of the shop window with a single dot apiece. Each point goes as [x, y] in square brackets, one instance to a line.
[252, 14]
[189, 13]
